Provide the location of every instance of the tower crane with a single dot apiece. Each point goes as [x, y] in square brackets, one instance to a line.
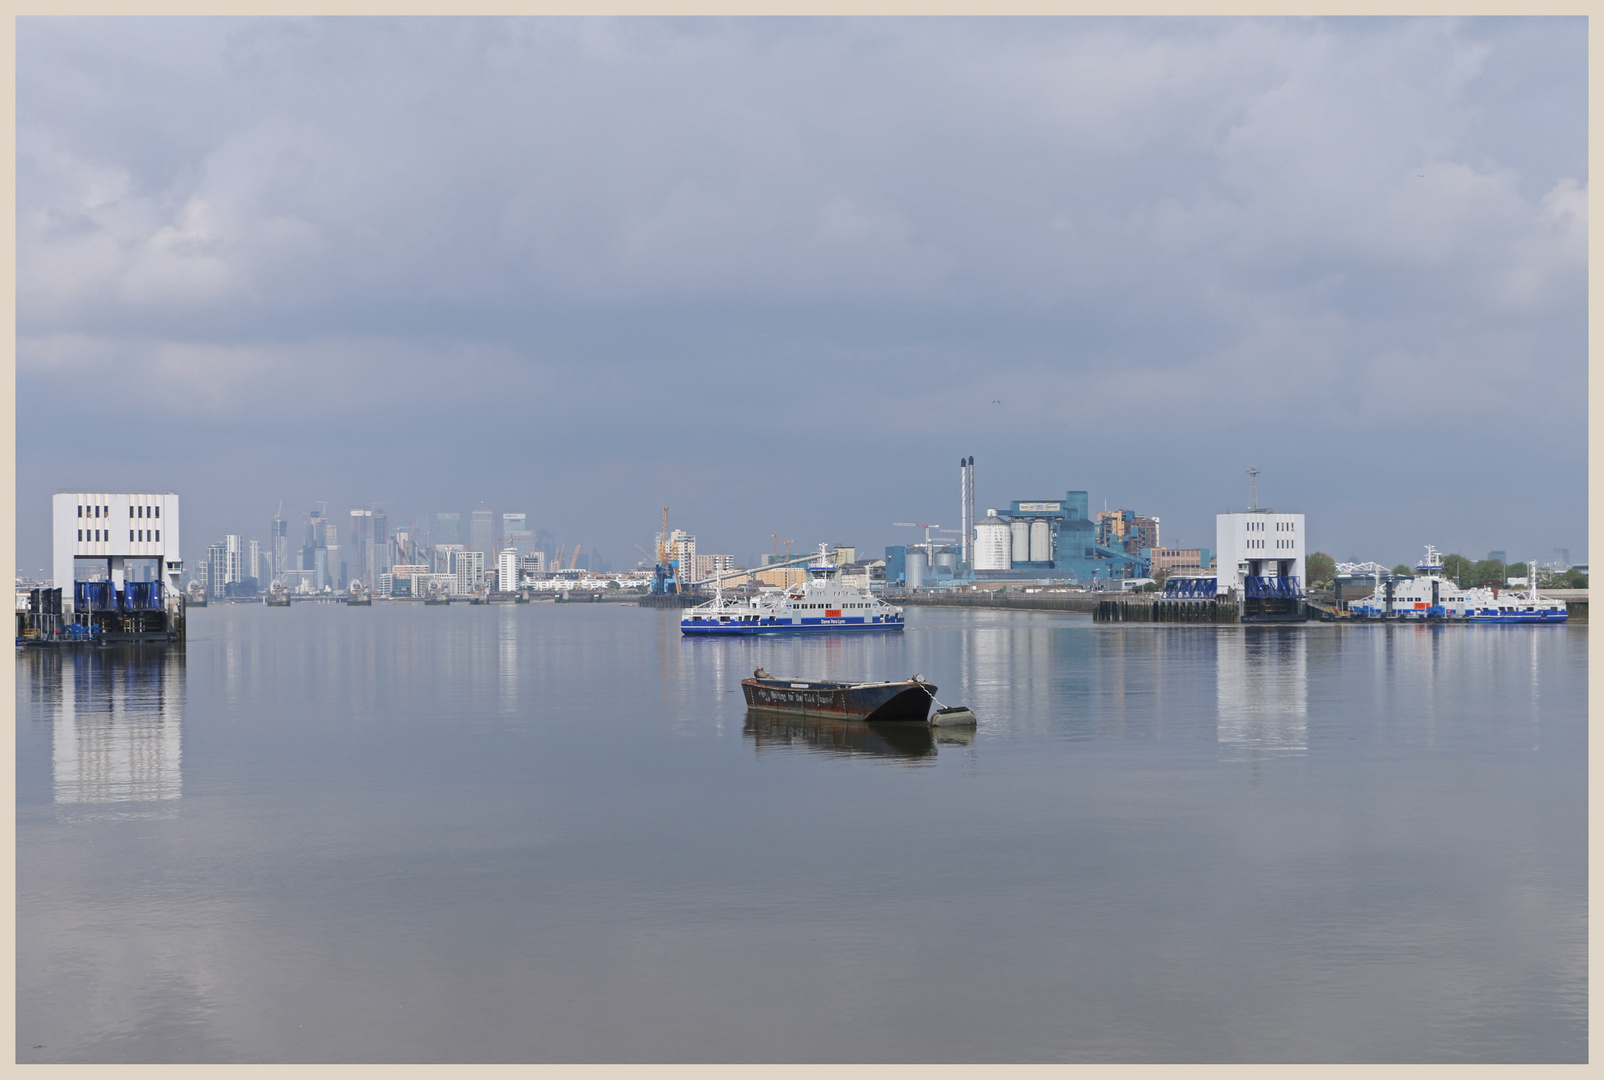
[929, 544]
[663, 580]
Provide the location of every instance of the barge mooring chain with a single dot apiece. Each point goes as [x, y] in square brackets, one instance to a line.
[920, 679]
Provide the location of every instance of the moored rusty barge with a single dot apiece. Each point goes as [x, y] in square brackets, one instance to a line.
[907, 700]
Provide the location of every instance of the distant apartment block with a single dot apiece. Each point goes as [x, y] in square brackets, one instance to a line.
[708, 565]
[470, 571]
[1179, 560]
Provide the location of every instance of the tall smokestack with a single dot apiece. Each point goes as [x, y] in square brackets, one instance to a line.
[966, 507]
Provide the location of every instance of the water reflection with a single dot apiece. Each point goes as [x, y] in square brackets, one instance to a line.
[117, 731]
[1262, 690]
[849, 738]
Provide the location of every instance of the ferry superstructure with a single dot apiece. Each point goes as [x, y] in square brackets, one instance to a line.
[821, 604]
[1429, 595]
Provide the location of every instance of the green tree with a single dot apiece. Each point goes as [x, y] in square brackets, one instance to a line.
[1486, 572]
[1515, 569]
[1321, 569]
[1402, 570]
[1457, 568]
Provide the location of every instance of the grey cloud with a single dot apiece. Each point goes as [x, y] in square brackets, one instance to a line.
[1176, 216]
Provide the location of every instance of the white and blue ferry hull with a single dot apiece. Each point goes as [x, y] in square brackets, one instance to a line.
[1519, 617]
[734, 628]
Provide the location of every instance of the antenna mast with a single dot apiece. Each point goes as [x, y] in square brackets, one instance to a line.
[1253, 487]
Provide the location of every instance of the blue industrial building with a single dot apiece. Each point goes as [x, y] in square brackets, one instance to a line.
[1050, 539]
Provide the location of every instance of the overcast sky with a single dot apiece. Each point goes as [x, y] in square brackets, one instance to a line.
[781, 274]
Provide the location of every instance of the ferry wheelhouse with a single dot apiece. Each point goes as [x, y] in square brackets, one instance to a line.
[821, 604]
[1429, 595]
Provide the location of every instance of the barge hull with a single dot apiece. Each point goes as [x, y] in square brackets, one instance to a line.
[906, 701]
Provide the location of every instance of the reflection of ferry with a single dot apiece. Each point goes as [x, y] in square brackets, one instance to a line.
[821, 604]
[1429, 595]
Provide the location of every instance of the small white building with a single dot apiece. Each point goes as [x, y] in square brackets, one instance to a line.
[99, 534]
[1258, 543]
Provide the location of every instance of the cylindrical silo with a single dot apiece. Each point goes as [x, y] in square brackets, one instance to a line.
[914, 568]
[992, 543]
[1020, 531]
[1041, 541]
[947, 559]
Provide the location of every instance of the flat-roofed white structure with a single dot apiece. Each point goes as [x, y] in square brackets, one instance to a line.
[106, 529]
[1258, 543]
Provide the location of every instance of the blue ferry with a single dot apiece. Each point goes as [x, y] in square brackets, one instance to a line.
[821, 604]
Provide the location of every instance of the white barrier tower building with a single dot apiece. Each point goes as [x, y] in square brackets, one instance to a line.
[103, 533]
[1261, 557]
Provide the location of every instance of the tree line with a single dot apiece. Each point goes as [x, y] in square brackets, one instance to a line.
[1321, 570]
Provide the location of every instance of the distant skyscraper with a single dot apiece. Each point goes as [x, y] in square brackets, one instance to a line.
[482, 531]
[383, 556]
[253, 563]
[216, 568]
[314, 556]
[515, 534]
[281, 544]
[336, 565]
[234, 559]
[1499, 555]
[507, 571]
[362, 545]
[446, 529]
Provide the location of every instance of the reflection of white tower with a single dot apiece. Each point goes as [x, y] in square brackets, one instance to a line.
[1262, 690]
[507, 656]
[122, 741]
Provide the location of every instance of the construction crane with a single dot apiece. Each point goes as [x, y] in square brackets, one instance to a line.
[663, 579]
[573, 560]
[929, 544]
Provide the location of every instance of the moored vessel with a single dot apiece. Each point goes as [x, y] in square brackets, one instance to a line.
[909, 699]
[1430, 596]
[822, 603]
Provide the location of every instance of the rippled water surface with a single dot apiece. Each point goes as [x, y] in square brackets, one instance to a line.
[552, 833]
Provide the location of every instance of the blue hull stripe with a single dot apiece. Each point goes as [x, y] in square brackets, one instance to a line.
[809, 627]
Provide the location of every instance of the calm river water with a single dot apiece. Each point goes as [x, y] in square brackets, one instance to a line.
[551, 833]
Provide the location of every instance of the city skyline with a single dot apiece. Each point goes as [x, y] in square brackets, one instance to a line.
[421, 530]
[1131, 257]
